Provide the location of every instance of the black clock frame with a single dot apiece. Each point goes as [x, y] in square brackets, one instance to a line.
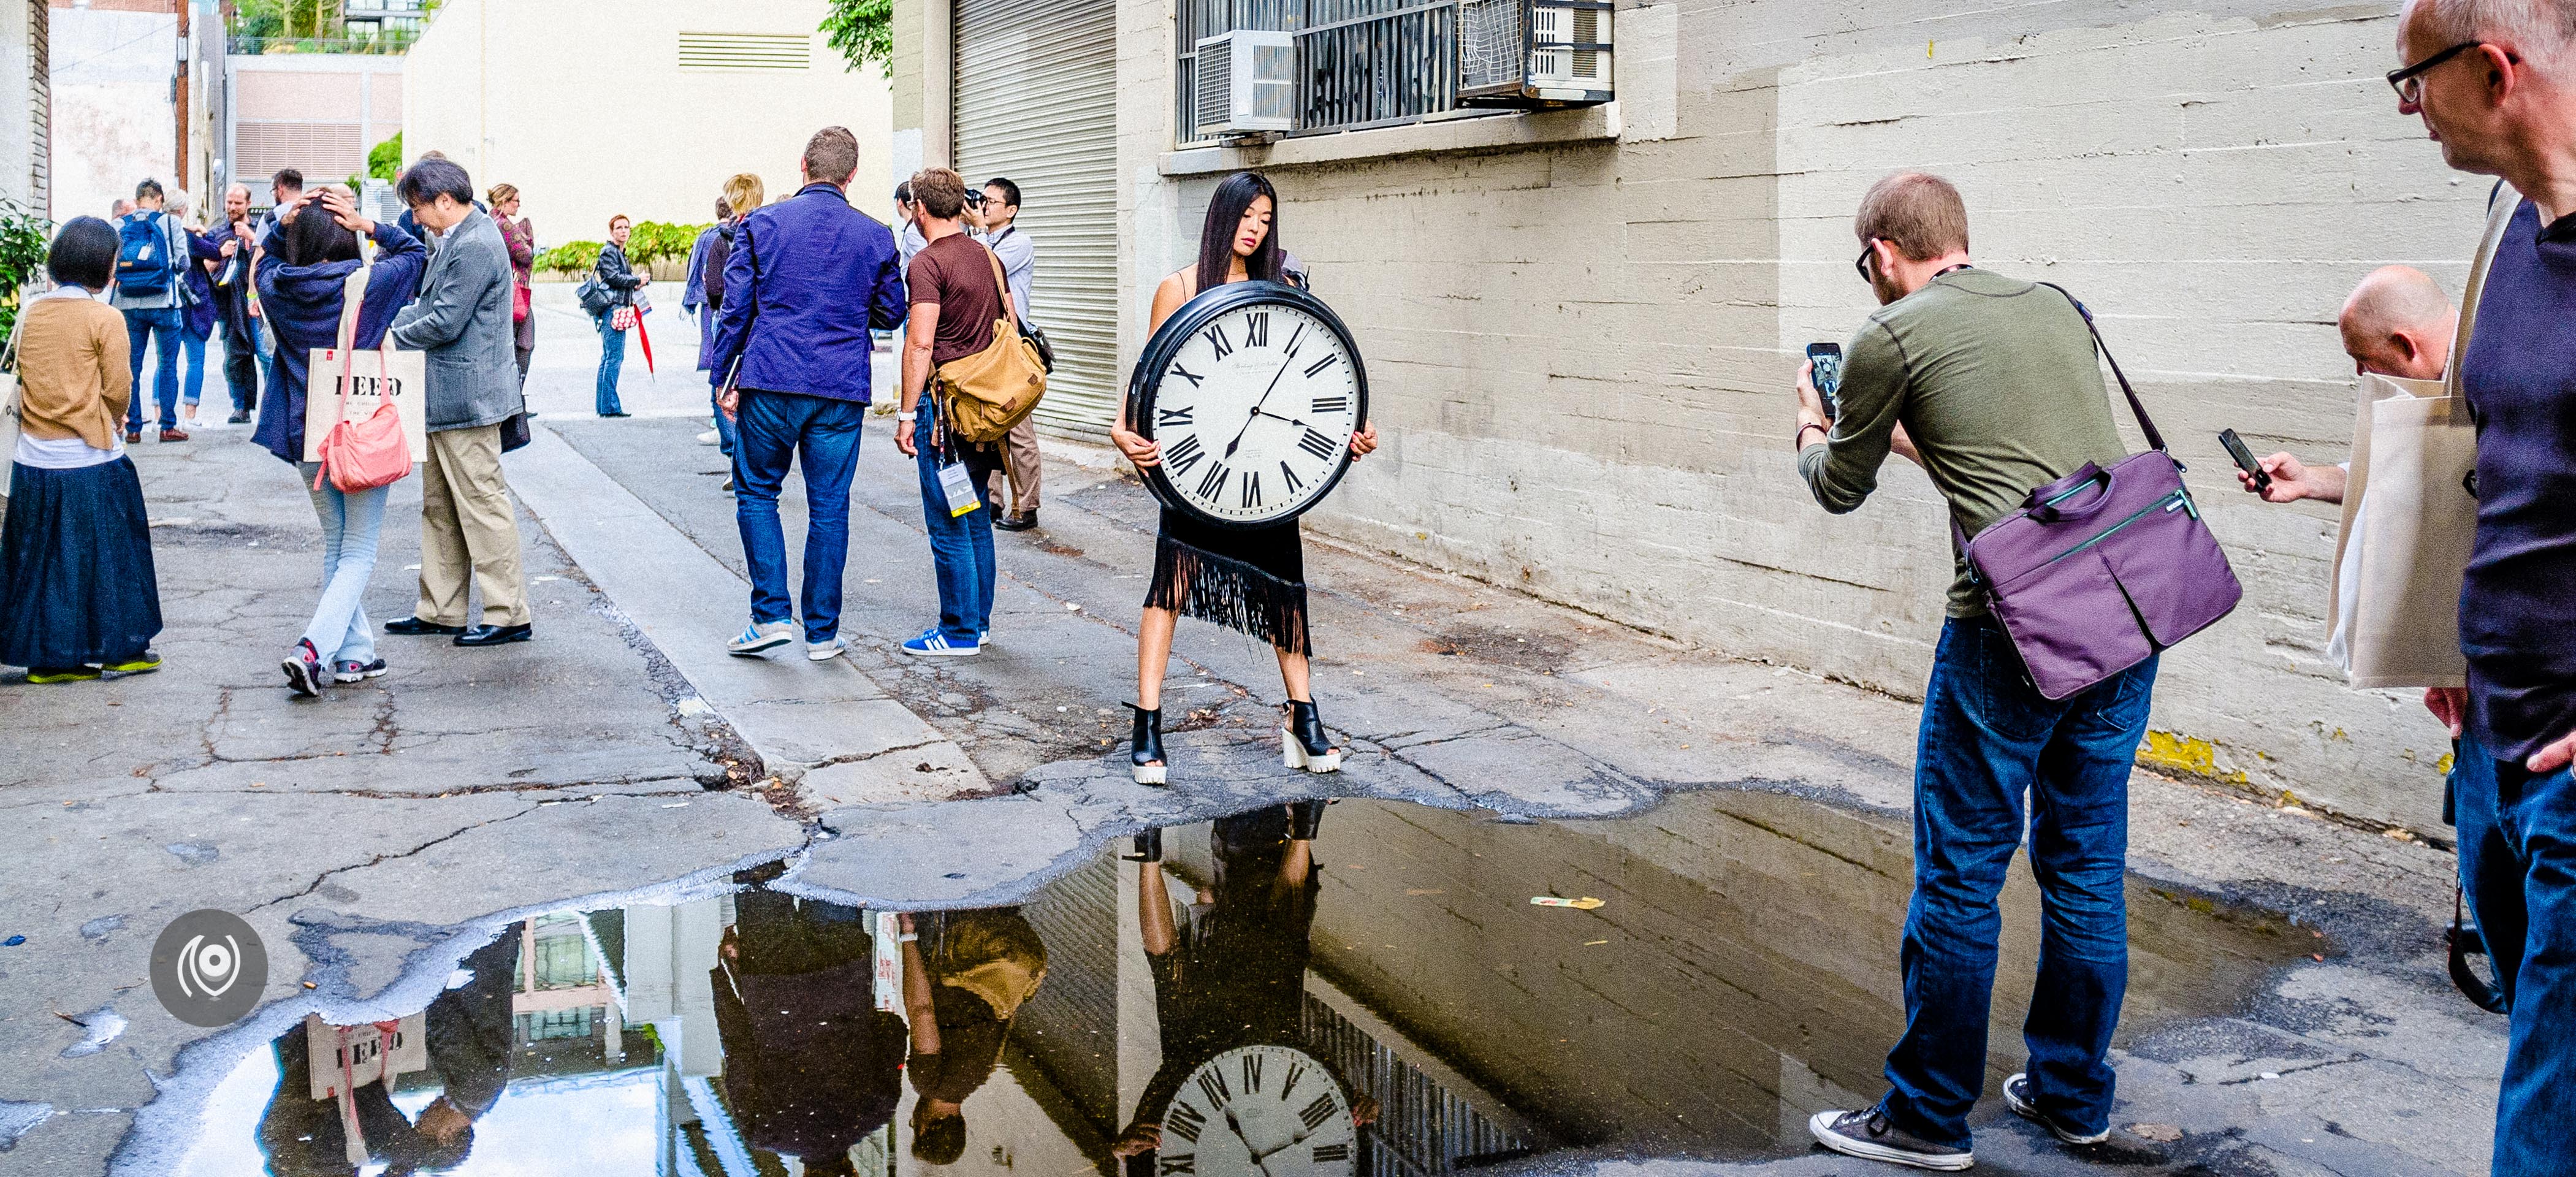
[1147, 380]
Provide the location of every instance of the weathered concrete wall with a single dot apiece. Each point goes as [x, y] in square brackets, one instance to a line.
[113, 122]
[17, 92]
[1581, 350]
[593, 119]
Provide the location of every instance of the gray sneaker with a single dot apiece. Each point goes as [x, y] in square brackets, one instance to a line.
[762, 636]
[2018, 1097]
[1869, 1135]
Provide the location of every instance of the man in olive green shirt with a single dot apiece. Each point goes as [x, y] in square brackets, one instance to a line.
[1990, 383]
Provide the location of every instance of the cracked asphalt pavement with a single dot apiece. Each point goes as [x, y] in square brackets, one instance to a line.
[373, 835]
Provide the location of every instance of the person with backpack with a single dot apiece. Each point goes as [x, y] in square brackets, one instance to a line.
[305, 261]
[152, 260]
[956, 286]
[806, 279]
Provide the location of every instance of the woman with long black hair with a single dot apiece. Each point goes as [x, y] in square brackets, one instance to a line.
[1251, 580]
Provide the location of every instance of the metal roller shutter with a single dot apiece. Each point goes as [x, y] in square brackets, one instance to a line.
[1035, 100]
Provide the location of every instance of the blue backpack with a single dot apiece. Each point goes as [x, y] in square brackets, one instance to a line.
[144, 266]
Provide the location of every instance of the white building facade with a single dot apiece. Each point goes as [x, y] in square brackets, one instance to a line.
[1582, 325]
[644, 117]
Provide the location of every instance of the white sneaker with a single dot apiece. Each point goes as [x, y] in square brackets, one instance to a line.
[826, 651]
[708, 438]
[762, 636]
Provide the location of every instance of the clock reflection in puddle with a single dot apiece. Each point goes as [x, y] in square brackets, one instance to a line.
[1360, 989]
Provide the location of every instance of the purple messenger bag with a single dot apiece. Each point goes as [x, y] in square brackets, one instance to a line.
[2102, 569]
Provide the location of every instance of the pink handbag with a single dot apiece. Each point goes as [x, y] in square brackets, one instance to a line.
[361, 455]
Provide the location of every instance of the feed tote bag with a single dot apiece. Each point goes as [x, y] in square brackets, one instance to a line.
[361, 381]
[2409, 515]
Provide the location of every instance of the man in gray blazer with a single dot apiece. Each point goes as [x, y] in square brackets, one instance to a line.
[462, 321]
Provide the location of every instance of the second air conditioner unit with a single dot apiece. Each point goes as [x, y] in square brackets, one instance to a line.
[1246, 83]
[1534, 54]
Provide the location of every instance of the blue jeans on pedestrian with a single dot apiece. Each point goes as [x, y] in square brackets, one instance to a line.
[193, 385]
[822, 435]
[160, 328]
[961, 546]
[1987, 737]
[612, 357]
[351, 522]
[726, 430]
[2518, 859]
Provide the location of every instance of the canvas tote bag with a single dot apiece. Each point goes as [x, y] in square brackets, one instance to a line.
[2409, 516]
[9, 397]
[369, 426]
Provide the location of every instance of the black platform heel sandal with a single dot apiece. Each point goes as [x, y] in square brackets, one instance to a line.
[1302, 743]
[1148, 847]
[1306, 819]
[1146, 759]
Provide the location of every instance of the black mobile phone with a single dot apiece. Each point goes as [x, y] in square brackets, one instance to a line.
[1828, 358]
[2244, 459]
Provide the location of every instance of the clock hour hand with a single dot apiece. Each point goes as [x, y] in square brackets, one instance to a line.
[1232, 1122]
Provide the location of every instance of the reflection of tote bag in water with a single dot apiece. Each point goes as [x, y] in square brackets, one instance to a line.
[342, 1059]
[2410, 515]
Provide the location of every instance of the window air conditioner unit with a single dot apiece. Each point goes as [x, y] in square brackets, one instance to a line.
[1533, 54]
[1247, 83]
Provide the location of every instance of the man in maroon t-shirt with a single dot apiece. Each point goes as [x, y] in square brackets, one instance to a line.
[956, 293]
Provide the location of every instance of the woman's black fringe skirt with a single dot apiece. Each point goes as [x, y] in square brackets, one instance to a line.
[1253, 582]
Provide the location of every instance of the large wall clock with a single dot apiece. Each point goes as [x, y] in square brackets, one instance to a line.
[1254, 390]
[1259, 1111]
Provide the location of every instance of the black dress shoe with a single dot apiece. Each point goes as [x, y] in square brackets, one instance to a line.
[413, 627]
[1017, 521]
[494, 635]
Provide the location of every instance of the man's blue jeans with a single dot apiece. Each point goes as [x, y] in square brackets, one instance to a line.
[822, 436]
[161, 329]
[1987, 738]
[612, 359]
[2518, 859]
[961, 546]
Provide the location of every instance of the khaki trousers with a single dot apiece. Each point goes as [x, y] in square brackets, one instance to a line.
[467, 521]
[1020, 464]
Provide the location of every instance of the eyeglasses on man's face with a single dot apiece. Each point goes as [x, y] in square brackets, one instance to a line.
[2409, 82]
[1861, 264]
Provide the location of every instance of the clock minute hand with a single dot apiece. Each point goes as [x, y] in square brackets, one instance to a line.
[1231, 1121]
[1257, 405]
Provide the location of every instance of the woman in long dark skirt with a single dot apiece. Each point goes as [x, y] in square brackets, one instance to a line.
[77, 590]
[1251, 580]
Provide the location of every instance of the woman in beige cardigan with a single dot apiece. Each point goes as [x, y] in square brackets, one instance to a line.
[77, 591]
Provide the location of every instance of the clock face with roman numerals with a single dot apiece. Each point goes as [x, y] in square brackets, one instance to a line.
[1259, 1111]
[1254, 390]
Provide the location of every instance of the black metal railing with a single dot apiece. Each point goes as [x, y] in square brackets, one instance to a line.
[390, 41]
[1360, 63]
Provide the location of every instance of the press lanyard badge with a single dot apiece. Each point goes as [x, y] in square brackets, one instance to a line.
[959, 486]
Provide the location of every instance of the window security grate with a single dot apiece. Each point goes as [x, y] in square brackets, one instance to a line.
[746, 51]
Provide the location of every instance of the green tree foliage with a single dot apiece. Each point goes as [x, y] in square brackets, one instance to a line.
[863, 30]
[572, 258]
[652, 241]
[24, 237]
[384, 160]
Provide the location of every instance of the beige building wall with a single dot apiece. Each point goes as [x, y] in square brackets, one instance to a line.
[318, 113]
[1581, 327]
[593, 117]
[113, 121]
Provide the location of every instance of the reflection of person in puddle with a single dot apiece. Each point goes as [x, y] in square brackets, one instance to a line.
[468, 1035]
[960, 995]
[1236, 974]
[810, 1064]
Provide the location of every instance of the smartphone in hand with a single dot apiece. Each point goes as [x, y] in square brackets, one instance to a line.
[2245, 459]
[1828, 359]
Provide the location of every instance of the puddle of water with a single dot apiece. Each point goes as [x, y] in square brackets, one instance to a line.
[1383, 999]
